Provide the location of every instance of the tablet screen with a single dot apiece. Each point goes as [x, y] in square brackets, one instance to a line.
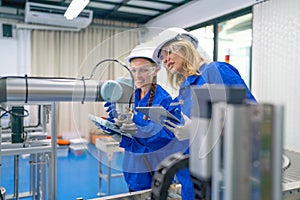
[157, 113]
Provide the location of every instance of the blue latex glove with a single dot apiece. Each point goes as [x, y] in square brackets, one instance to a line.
[111, 110]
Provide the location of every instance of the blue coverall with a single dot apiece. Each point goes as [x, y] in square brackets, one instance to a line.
[212, 73]
[150, 145]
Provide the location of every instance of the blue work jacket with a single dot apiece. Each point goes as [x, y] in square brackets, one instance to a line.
[212, 73]
[150, 145]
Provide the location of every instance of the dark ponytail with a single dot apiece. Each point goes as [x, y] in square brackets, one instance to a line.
[152, 94]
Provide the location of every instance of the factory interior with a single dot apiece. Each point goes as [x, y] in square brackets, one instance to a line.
[62, 73]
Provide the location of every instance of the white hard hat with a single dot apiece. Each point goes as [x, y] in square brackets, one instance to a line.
[169, 35]
[144, 50]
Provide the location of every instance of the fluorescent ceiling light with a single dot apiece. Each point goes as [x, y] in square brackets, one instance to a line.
[75, 8]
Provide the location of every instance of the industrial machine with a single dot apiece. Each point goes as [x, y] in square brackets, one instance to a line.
[17, 92]
[235, 149]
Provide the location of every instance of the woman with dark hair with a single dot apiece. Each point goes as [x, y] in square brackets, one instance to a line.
[151, 143]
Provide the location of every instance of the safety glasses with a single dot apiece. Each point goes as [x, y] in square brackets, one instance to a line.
[166, 51]
[143, 70]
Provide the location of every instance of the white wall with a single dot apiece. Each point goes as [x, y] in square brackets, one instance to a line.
[275, 67]
[199, 11]
[15, 54]
[8, 56]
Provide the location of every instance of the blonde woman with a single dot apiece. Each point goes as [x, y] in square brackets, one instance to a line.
[177, 52]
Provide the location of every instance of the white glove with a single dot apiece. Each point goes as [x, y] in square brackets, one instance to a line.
[182, 132]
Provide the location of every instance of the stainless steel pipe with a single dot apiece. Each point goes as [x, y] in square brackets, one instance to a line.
[39, 89]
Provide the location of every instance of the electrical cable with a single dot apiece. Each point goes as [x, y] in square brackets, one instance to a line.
[39, 119]
[14, 114]
[123, 65]
[84, 91]
[30, 126]
[26, 88]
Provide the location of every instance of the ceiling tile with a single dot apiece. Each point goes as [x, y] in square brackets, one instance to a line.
[138, 11]
[101, 5]
[173, 1]
[112, 1]
[149, 4]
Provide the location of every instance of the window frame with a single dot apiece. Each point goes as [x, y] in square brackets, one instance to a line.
[215, 22]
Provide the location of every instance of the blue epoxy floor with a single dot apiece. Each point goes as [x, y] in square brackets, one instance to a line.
[77, 175]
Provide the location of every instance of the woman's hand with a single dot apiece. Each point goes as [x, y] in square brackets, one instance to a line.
[181, 132]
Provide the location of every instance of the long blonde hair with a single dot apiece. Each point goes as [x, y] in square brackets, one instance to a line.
[192, 61]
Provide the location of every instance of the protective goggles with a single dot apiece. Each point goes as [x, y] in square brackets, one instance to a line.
[167, 50]
[143, 70]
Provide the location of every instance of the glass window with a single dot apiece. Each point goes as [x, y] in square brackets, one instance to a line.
[205, 36]
[234, 39]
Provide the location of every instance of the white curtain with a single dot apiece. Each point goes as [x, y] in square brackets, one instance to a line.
[276, 72]
[75, 54]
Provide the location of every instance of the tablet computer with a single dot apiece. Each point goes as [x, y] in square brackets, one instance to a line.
[157, 114]
[107, 124]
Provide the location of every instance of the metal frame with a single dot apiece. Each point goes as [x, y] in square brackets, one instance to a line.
[39, 158]
[107, 147]
[16, 90]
